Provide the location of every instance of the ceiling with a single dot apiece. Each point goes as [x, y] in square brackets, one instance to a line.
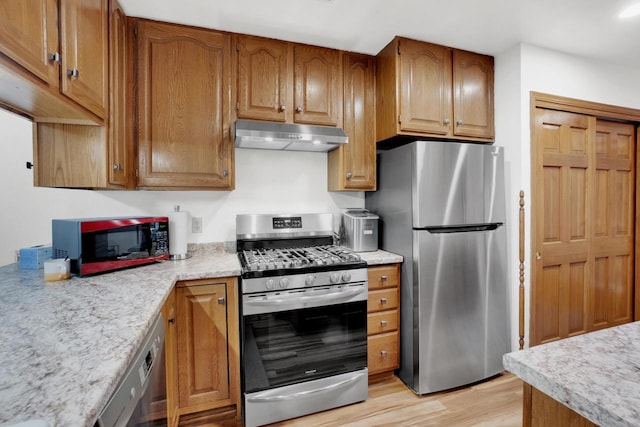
[588, 28]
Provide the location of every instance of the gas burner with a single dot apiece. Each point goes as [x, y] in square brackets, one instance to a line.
[293, 258]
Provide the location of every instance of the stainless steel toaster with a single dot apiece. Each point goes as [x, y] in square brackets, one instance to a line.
[359, 230]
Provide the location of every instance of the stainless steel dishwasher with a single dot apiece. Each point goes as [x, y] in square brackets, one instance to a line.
[139, 398]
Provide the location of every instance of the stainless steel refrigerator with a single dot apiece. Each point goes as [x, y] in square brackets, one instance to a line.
[442, 207]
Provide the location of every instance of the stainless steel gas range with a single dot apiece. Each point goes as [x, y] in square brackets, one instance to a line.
[304, 317]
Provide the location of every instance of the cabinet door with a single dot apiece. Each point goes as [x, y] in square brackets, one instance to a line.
[83, 41]
[202, 344]
[120, 164]
[318, 85]
[353, 166]
[265, 80]
[183, 112]
[29, 34]
[425, 87]
[473, 94]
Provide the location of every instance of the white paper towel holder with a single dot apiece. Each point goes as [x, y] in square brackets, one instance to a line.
[179, 256]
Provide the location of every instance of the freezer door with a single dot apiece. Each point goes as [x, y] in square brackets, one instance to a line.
[457, 183]
[462, 326]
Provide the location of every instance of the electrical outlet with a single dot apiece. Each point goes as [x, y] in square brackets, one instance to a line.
[196, 224]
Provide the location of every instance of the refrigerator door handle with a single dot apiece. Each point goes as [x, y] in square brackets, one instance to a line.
[463, 228]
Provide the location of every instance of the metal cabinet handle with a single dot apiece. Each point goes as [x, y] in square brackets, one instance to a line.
[298, 109]
[283, 108]
[349, 175]
[383, 278]
[221, 300]
[54, 57]
[446, 122]
[116, 166]
[73, 74]
[383, 301]
[459, 122]
[171, 320]
[225, 173]
[383, 353]
[383, 323]
[538, 255]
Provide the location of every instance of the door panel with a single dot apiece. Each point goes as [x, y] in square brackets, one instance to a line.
[583, 235]
[461, 306]
[614, 216]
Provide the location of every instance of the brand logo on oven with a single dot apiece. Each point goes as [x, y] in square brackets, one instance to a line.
[294, 136]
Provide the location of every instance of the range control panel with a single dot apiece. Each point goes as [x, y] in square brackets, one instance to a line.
[287, 222]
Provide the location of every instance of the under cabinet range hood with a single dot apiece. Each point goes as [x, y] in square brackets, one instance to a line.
[285, 136]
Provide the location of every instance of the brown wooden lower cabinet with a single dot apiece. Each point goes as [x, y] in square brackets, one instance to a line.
[383, 320]
[540, 410]
[202, 352]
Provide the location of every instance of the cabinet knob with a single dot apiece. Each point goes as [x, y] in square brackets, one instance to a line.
[383, 278]
[349, 175]
[54, 57]
[221, 300]
[383, 301]
[298, 109]
[538, 255]
[171, 320]
[459, 122]
[383, 353]
[383, 323]
[116, 166]
[73, 74]
[283, 107]
[446, 122]
[225, 173]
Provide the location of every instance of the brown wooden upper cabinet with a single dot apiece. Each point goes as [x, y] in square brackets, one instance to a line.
[288, 82]
[184, 104]
[352, 166]
[82, 156]
[429, 90]
[30, 33]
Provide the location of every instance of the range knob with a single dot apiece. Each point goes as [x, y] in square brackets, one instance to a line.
[309, 280]
[334, 277]
[346, 277]
[284, 283]
[269, 283]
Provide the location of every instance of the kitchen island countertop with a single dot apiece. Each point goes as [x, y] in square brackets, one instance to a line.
[596, 374]
[65, 345]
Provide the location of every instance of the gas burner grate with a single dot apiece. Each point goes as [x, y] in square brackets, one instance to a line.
[273, 259]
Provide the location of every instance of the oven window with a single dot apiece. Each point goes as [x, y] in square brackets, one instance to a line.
[293, 346]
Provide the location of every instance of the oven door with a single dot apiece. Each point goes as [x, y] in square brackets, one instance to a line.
[293, 346]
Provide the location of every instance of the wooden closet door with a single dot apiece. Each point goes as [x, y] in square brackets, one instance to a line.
[562, 218]
[583, 233]
[613, 224]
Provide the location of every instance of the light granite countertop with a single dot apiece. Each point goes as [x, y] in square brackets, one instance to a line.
[65, 345]
[380, 257]
[595, 374]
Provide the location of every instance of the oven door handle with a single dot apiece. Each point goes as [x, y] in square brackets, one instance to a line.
[275, 398]
[330, 297]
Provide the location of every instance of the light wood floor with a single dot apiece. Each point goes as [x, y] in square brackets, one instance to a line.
[493, 403]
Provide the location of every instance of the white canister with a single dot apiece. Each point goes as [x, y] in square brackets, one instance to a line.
[57, 269]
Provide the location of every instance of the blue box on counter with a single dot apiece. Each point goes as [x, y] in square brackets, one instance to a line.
[34, 257]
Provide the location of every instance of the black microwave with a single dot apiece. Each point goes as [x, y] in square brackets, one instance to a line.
[98, 245]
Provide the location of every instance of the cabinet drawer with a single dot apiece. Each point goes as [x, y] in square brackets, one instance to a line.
[384, 321]
[383, 277]
[382, 352]
[384, 299]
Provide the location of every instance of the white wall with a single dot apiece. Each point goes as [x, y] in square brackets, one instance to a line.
[523, 69]
[266, 182]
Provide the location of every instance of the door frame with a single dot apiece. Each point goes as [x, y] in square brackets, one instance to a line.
[601, 111]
